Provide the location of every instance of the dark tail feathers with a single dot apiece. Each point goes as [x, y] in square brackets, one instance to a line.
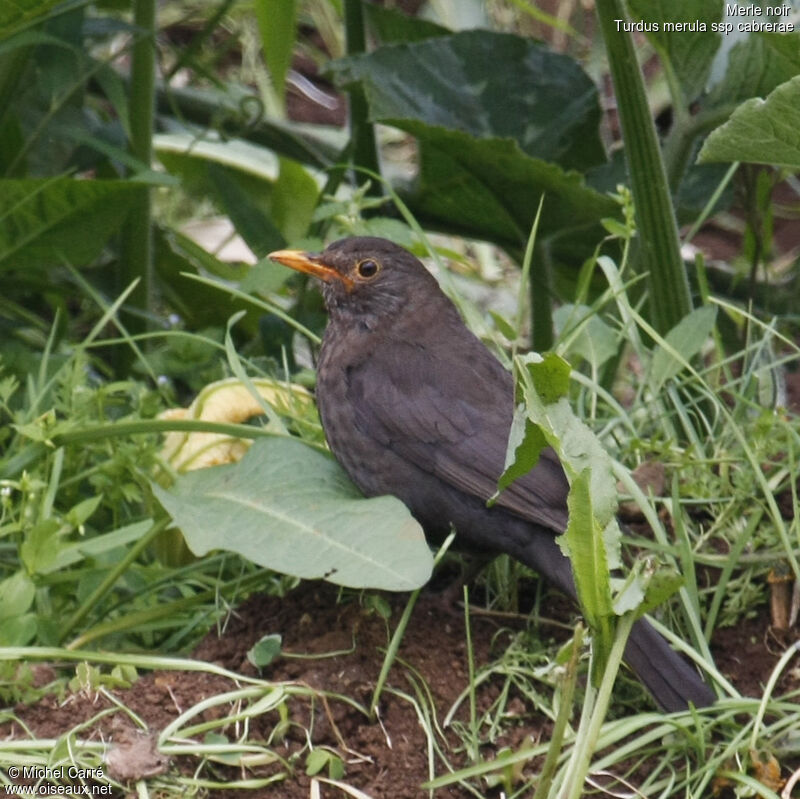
[669, 678]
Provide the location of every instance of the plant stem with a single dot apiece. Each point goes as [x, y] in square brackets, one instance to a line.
[592, 720]
[136, 256]
[362, 131]
[658, 252]
[562, 719]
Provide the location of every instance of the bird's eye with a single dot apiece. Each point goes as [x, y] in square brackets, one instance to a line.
[368, 268]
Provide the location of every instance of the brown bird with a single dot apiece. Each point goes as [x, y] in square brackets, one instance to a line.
[413, 404]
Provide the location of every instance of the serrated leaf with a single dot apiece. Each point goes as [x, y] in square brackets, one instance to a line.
[584, 543]
[276, 23]
[290, 508]
[525, 444]
[760, 131]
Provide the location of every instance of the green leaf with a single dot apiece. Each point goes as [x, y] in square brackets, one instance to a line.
[391, 25]
[584, 543]
[486, 85]
[488, 188]
[595, 341]
[647, 586]
[41, 545]
[16, 595]
[757, 65]
[79, 513]
[681, 344]
[254, 225]
[60, 220]
[290, 508]
[294, 198]
[276, 24]
[550, 376]
[760, 131]
[578, 449]
[265, 650]
[494, 131]
[689, 53]
[18, 630]
[525, 443]
[21, 13]
[318, 759]
[75, 552]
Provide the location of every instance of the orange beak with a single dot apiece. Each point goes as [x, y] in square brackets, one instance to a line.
[310, 265]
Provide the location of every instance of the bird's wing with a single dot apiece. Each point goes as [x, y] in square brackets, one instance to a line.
[451, 418]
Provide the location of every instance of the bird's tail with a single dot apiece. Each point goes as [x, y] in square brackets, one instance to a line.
[669, 678]
[672, 681]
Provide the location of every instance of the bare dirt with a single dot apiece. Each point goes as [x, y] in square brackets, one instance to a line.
[387, 759]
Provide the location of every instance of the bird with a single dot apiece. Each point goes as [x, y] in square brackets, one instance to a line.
[413, 404]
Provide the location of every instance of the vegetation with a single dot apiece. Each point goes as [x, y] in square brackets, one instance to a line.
[484, 149]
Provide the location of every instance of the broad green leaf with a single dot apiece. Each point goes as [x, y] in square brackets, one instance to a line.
[392, 25]
[488, 188]
[757, 65]
[290, 508]
[761, 131]
[495, 133]
[487, 85]
[198, 304]
[60, 220]
[269, 199]
[682, 343]
[684, 37]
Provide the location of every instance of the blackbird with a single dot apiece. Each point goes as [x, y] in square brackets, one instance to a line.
[413, 404]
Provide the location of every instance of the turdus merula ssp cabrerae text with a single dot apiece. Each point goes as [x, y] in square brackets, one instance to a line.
[414, 405]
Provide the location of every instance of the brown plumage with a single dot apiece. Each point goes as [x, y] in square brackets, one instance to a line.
[413, 404]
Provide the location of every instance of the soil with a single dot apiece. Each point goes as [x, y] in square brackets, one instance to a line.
[387, 759]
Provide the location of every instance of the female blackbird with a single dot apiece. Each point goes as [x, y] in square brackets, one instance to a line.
[414, 405]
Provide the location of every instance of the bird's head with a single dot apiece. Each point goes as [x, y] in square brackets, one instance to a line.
[364, 277]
